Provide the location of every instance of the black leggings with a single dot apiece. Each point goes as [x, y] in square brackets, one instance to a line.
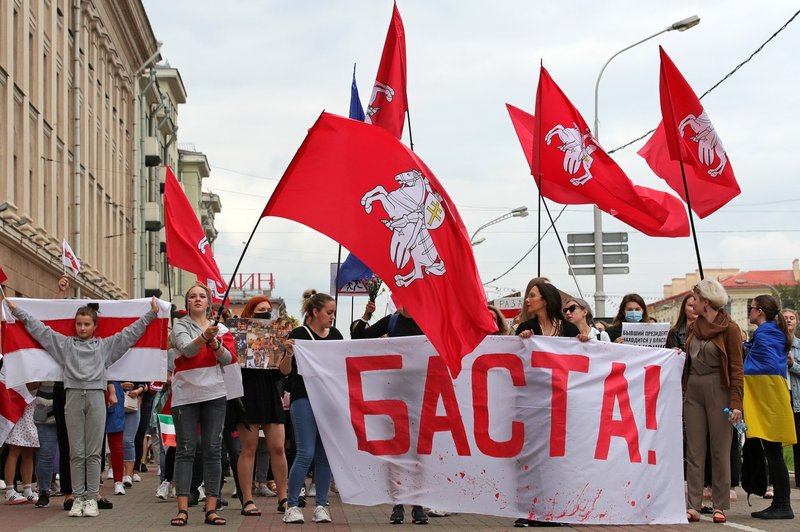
[778, 473]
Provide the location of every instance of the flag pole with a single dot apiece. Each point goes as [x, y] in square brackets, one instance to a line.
[537, 152]
[691, 218]
[336, 282]
[235, 271]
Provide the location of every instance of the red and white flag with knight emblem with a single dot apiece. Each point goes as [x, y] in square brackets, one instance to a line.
[378, 199]
[69, 259]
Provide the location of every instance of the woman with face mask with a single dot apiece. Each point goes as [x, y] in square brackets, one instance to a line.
[632, 310]
[262, 409]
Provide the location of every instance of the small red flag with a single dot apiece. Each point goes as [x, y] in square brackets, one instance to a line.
[187, 245]
[374, 196]
[3, 276]
[687, 134]
[573, 164]
[388, 102]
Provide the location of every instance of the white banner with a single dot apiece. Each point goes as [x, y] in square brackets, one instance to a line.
[546, 428]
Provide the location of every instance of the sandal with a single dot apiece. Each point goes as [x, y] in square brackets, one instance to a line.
[719, 517]
[178, 520]
[282, 505]
[216, 520]
[692, 516]
[252, 511]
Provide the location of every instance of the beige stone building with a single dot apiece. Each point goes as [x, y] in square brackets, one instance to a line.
[68, 87]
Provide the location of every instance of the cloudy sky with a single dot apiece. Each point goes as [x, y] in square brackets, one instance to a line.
[258, 73]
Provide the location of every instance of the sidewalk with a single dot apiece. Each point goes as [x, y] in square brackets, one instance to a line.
[140, 510]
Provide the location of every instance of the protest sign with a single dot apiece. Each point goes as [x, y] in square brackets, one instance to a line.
[645, 334]
[259, 342]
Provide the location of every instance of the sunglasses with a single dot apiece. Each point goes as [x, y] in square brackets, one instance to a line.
[749, 309]
[571, 308]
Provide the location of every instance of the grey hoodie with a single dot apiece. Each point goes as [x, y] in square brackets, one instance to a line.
[84, 361]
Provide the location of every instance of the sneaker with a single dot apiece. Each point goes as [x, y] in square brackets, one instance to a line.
[142, 468]
[119, 488]
[418, 516]
[312, 490]
[774, 512]
[398, 513]
[264, 491]
[294, 515]
[201, 493]
[522, 522]
[321, 514]
[301, 500]
[438, 513]
[734, 497]
[104, 504]
[2, 484]
[77, 508]
[163, 491]
[90, 508]
[15, 497]
[136, 477]
[110, 473]
[44, 500]
[31, 498]
[127, 481]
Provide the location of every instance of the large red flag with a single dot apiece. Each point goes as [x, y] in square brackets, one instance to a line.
[363, 188]
[687, 134]
[187, 245]
[388, 102]
[566, 155]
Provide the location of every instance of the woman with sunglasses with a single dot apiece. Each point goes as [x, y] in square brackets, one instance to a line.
[579, 313]
[541, 314]
[766, 399]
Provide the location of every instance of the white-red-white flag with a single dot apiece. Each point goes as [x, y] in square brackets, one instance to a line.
[26, 361]
[12, 405]
[69, 259]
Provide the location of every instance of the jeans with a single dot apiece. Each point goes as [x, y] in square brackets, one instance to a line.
[210, 415]
[45, 458]
[309, 447]
[145, 408]
[129, 435]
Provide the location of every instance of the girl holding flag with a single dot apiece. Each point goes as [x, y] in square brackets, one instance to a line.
[85, 359]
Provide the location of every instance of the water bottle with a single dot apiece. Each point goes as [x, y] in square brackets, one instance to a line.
[741, 428]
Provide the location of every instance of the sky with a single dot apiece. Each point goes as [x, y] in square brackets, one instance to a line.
[259, 72]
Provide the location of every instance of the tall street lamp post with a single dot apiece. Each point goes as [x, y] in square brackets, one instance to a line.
[519, 212]
[600, 296]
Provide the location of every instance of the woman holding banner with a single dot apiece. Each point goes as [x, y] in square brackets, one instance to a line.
[262, 409]
[541, 313]
[767, 401]
[319, 311]
[713, 382]
[579, 313]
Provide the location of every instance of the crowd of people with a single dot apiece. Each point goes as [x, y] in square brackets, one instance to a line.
[269, 438]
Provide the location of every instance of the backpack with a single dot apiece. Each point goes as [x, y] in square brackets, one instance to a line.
[754, 468]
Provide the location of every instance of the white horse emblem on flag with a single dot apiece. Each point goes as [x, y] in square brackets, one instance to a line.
[414, 209]
[372, 108]
[202, 245]
[708, 142]
[577, 151]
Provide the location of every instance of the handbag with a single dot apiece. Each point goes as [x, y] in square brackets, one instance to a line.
[131, 404]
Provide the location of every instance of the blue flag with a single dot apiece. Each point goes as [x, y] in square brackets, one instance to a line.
[352, 269]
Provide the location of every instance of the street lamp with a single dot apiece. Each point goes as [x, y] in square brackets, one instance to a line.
[519, 212]
[742, 282]
[600, 296]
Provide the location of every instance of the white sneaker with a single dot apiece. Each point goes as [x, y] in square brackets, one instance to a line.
[77, 508]
[2, 484]
[264, 491]
[163, 491]
[312, 490]
[127, 481]
[438, 513]
[294, 515]
[15, 497]
[110, 473]
[136, 477]
[32, 498]
[321, 515]
[119, 488]
[90, 508]
[201, 493]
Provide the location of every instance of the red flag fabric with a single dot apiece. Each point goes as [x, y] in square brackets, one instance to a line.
[567, 156]
[12, 405]
[69, 259]
[388, 102]
[687, 134]
[363, 188]
[187, 245]
[3, 276]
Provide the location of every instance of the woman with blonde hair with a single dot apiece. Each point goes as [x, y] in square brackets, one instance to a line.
[578, 312]
[713, 377]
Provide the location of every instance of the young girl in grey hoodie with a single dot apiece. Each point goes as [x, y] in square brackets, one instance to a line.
[85, 360]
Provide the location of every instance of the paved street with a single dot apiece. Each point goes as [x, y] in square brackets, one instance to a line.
[140, 510]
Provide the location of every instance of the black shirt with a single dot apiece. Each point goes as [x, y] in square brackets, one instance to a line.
[568, 330]
[295, 383]
[402, 327]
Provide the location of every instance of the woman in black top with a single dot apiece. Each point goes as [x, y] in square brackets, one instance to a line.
[543, 308]
[319, 311]
[632, 309]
